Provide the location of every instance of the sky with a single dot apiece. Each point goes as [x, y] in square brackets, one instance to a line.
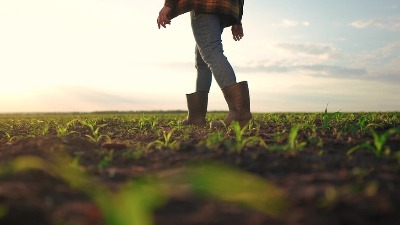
[109, 55]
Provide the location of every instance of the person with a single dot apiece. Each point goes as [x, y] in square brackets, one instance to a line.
[208, 20]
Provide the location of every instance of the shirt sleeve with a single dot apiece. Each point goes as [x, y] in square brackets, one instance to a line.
[241, 11]
[170, 3]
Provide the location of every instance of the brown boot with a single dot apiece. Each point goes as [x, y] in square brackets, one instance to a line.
[197, 108]
[238, 98]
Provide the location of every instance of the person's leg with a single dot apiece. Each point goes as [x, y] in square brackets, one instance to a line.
[204, 75]
[207, 29]
[197, 102]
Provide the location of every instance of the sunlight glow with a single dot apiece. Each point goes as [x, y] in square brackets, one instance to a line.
[58, 55]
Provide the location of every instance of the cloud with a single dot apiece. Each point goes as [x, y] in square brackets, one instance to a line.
[293, 23]
[381, 56]
[328, 61]
[314, 49]
[313, 70]
[361, 24]
[309, 59]
[382, 63]
[333, 71]
[386, 24]
[388, 74]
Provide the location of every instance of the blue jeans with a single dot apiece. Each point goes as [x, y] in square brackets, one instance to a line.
[210, 59]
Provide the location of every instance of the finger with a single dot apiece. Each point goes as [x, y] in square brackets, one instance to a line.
[166, 20]
[237, 37]
[162, 23]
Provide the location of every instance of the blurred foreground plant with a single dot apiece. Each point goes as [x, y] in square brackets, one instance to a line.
[136, 201]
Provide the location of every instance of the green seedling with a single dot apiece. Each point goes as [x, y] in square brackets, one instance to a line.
[167, 141]
[142, 123]
[251, 125]
[63, 129]
[7, 129]
[40, 128]
[293, 142]
[313, 138]
[44, 129]
[146, 122]
[379, 144]
[214, 139]
[279, 136]
[293, 145]
[240, 141]
[362, 125]
[8, 136]
[94, 128]
[327, 118]
[177, 123]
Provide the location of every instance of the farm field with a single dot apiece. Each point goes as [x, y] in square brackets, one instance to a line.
[147, 168]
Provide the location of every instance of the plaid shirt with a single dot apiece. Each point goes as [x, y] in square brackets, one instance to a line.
[232, 8]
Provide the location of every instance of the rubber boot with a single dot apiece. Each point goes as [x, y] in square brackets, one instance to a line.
[197, 108]
[238, 99]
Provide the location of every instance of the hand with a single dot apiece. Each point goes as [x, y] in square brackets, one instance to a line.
[163, 17]
[237, 32]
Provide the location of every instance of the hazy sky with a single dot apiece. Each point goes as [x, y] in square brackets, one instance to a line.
[297, 55]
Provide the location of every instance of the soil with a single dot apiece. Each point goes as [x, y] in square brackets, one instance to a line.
[323, 185]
